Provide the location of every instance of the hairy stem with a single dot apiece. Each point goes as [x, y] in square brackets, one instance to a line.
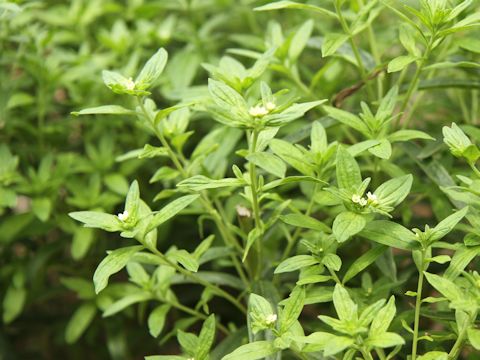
[418, 304]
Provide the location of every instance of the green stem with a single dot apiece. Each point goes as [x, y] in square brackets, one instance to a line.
[418, 304]
[215, 289]
[197, 314]
[207, 204]
[366, 354]
[358, 58]
[474, 169]
[255, 202]
[457, 347]
[298, 231]
[414, 84]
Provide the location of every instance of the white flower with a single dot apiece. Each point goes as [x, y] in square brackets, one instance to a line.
[270, 319]
[363, 202]
[372, 198]
[123, 216]
[356, 198]
[130, 84]
[270, 106]
[258, 111]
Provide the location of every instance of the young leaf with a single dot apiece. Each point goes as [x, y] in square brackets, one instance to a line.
[331, 43]
[105, 109]
[152, 69]
[252, 351]
[400, 63]
[385, 340]
[295, 263]
[394, 191]
[474, 337]
[381, 322]
[269, 163]
[445, 287]
[406, 135]
[383, 150]
[347, 224]
[304, 221]
[96, 219]
[347, 171]
[156, 319]
[79, 322]
[363, 262]
[434, 355]
[206, 338]
[113, 263]
[170, 211]
[344, 306]
[446, 225]
[348, 119]
[300, 39]
[293, 308]
[390, 234]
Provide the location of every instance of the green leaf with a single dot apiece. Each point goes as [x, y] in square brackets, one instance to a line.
[434, 355]
[332, 261]
[125, 302]
[206, 338]
[348, 119]
[295, 263]
[269, 163]
[227, 98]
[152, 69]
[447, 225]
[95, 219]
[133, 200]
[200, 183]
[187, 260]
[113, 263]
[390, 234]
[347, 224]
[344, 306]
[79, 322]
[394, 191]
[363, 262]
[304, 221]
[400, 63]
[460, 261]
[318, 138]
[445, 287]
[382, 150]
[406, 135]
[382, 321]
[299, 40]
[285, 4]
[13, 303]
[292, 156]
[252, 351]
[331, 43]
[149, 152]
[170, 210]
[347, 171]
[385, 340]
[105, 109]
[292, 309]
[42, 207]
[474, 337]
[156, 319]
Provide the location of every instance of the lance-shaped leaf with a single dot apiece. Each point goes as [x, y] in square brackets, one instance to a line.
[347, 224]
[347, 171]
[252, 351]
[447, 225]
[390, 234]
[152, 69]
[170, 211]
[113, 263]
[394, 191]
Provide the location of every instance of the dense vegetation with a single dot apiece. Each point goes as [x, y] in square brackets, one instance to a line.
[240, 179]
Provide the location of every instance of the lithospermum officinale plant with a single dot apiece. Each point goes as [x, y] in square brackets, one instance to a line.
[331, 199]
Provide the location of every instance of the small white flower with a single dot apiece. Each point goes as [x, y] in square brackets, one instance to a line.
[123, 216]
[270, 106]
[363, 202]
[270, 319]
[356, 198]
[258, 111]
[130, 84]
[372, 198]
[242, 211]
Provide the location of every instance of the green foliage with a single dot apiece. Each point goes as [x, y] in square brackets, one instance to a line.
[240, 180]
